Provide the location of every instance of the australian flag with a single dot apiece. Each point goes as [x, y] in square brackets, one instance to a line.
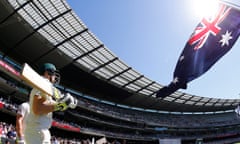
[212, 38]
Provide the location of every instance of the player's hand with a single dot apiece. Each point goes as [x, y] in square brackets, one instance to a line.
[73, 103]
[60, 107]
[67, 101]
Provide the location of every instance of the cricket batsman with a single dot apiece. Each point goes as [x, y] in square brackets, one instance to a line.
[42, 106]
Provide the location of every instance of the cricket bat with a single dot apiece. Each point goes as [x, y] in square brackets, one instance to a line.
[33, 79]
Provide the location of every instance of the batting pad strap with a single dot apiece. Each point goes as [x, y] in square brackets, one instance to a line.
[20, 140]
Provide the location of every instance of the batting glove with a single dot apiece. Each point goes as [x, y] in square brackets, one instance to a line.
[56, 94]
[67, 101]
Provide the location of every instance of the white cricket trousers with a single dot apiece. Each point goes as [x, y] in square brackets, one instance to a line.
[38, 137]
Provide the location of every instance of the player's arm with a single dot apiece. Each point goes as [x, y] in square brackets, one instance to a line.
[41, 106]
[19, 127]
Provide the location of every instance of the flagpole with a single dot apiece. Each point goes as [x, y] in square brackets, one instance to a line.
[230, 4]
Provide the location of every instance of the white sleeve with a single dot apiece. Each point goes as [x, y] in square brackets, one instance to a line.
[21, 110]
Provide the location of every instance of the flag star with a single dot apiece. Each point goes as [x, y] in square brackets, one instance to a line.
[181, 58]
[175, 80]
[225, 38]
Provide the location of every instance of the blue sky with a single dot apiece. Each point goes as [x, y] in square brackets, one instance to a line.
[149, 36]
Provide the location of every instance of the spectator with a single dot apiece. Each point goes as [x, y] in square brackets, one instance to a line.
[11, 134]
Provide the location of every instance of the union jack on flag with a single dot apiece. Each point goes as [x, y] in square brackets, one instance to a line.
[212, 38]
[208, 26]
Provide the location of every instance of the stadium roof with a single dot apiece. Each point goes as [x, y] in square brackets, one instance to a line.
[37, 31]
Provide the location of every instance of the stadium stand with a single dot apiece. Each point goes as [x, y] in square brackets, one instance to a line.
[96, 118]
